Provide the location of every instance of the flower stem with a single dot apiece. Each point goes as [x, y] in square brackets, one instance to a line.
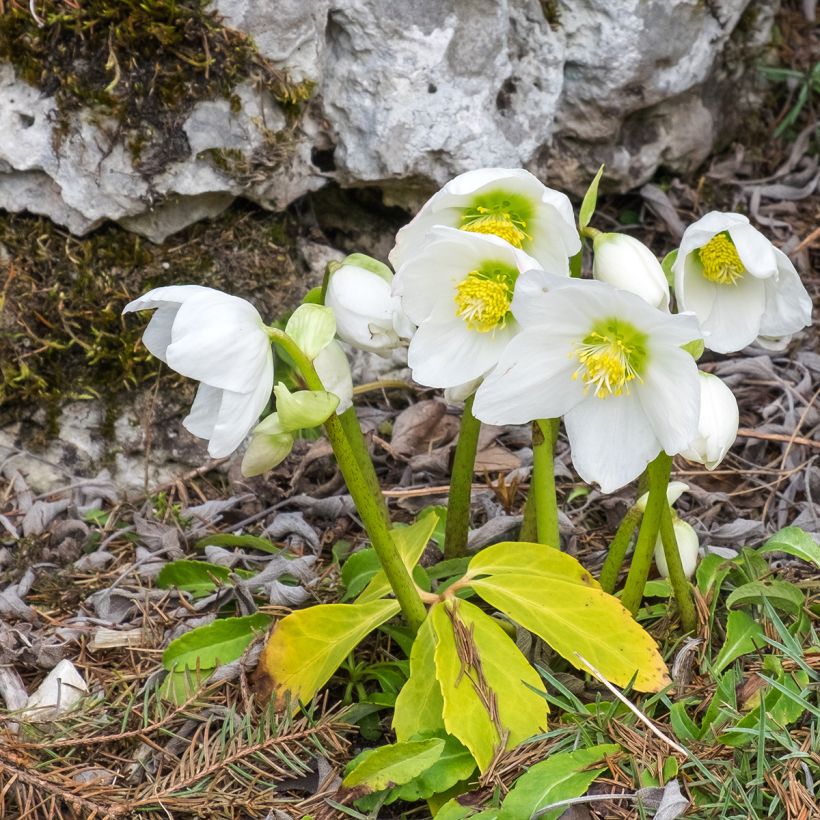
[677, 577]
[529, 527]
[617, 549]
[370, 504]
[590, 233]
[544, 436]
[658, 476]
[461, 482]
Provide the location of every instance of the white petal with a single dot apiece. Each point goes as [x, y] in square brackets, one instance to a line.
[460, 392]
[717, 423]
[788, 305]
[447, 353]
[533, 380]
[176, 294]
[204, 411]
[692, 290]
[754, 250]
[157, 336]
[700, 232]
[265, 452]
[333, 369]
[527, 303]
[734, 321]
[670, 396]
[219, 339]
[611, 440]
[363, 305]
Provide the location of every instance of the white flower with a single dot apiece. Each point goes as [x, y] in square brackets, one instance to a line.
[624, 262]
[717, 425]
[737, 283]
[368, 315]
[674, 490]
[687, 540]
[507, 202]
[459, 289]
[219, 340]
[611, 365]
[333, 369]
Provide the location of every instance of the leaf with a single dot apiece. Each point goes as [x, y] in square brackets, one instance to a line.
[307, 646]
[454, 765]
[490, 692]
[419, 705]
[453, 810]
[393, 765]
[180, 686]
[590, 200]
[197, 577]
[743, 635]
[666, 265]
[218, 643]
[358, 570]
[780, 594]
[711, 571]
[229, 540]
[796, 542]
[410, 542]
[562, 776]
[567, 611]
[441, 513]
[576, 264]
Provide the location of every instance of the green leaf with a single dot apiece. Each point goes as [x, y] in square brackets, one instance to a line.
[551, 594]
[667, 263]
[228, 540]
[453, 810]
[562, 776]
[303, 408]
[743, 635]
[780, 594]
[308, 646]
[218, 643]
[419, 705]
[722, 706]
[796, 542]
[576, 263]
[197, 577]
[410, 542]
[358, 570]
[490, 691]
[685, 729]
[659, 588]
[312, 327]
[393, 765]
[178, 687]
[450, 568]
[454, 765]
[441, 513]
[710, 573]
[313, 296]
[590, 200]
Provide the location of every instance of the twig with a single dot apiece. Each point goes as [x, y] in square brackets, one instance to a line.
[789, 439]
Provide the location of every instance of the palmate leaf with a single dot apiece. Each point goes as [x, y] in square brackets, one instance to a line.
[307, 646]
[490, 692]
[552, 595]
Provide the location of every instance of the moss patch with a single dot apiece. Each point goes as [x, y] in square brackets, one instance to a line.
[61, 297]
[143, 62]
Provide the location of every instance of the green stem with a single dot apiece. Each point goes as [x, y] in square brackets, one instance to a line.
[369, 504]
[529, 527]
[658, 475]
[617, 549]
[461, 484]
[680, 584]
[590, 233]
[544, 436]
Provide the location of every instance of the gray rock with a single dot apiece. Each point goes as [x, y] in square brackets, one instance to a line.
[407, 95]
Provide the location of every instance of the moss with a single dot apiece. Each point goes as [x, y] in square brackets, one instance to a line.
[143, 62]
[62, 335]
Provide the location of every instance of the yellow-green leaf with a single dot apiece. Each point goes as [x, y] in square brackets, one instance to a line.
[490, 691]
[419, 706]
[519, 557]
[575, 618]
[307, 646]
[394, 765]
[590, 200]
[410, 542]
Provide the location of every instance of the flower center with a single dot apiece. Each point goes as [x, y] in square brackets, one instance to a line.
[610, 357]
[483, 297]
[720, 260]
[499, 213]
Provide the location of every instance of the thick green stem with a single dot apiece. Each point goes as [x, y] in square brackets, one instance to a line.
[544, 436]
[461, 484]
[617, 549]
[529, 527]
[369, 504]
[658, 475]
[677, 578]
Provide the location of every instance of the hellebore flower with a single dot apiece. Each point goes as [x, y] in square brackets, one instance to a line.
[717, 425]
[737, 283]
[459, 289]
[506, 202]
[368, 315]
[611, 365]
[624, 262]
[688, 544]
[220, 341]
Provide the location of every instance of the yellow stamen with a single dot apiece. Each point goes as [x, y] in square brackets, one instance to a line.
[606, 365]
[720, 260]
[482, 302]
[499, 224]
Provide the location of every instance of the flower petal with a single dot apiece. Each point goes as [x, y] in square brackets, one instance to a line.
[201, 420]
[611, 440]
[333, 370]
[734, 321]
[788, 304]
[755, 251]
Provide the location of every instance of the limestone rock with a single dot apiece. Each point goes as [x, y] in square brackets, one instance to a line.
[406, 95]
